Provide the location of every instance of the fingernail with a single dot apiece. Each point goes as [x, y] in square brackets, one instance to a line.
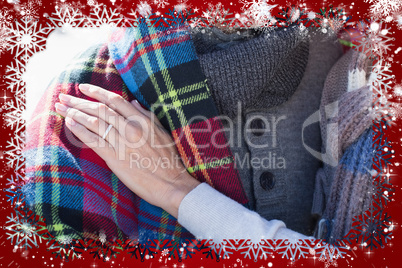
[60, 107]
[136, 103]
[83, 87]
[64, 97]
[70, 121]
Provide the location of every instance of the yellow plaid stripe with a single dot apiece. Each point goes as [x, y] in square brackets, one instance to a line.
[183, 90]
[179, 103]
[213, 164]
[172, 93]
[176, 102]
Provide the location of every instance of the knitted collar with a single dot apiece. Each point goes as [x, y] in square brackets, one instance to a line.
[259, 70]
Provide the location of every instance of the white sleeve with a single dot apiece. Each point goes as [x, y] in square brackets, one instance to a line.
[208, 214]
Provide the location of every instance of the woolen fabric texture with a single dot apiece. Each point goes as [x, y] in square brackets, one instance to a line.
[343, 190]
[252, 70]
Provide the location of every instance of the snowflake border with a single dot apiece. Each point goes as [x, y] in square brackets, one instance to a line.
[99, 16]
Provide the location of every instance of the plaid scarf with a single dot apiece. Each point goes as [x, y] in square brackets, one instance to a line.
[72, 187]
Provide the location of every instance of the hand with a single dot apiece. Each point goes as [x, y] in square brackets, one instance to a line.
[137, 148]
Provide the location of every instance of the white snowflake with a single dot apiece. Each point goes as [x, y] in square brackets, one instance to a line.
[381, 77]
[216, 15]
[102, 236]
[252, 4]
[62, 5]
[14, 76]
[22, 229]
[398, 90]
[91, 3]
[161, 3]
[259, 11]
[293, 249]
[17, 164]
[182, 5]
[15, 109]
[396, 110]
[64, 239]
[66, 17]
[376, 39]
[311, 15]
[256, 250]
[29, 10]
[14, 116]
[5, 18]
[14, 149]
[399, 21]
[104, 17]
[131, 20]
[384, 8]
[144, 9]
[223, 248]
[165, 252]
[328, 262]
[383, 111]
[4, 36]
[331, 252]
[28, 37]
[5, 22]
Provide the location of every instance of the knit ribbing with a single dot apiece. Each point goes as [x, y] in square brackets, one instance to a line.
[352, 110]
[350, 186]
[262, 72]
[346, 185]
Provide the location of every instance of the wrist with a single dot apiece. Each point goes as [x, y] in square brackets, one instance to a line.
[183, 185]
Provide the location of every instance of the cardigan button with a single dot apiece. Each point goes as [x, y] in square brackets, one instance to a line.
[257, 127]
[267, 180]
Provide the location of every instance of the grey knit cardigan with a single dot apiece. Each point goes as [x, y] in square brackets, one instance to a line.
[342, 185]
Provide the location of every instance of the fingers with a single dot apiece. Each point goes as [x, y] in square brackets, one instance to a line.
[128, 110]
[132, 124]
[113, 100]
[95, 109]
[92, 124]
[101, 147]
